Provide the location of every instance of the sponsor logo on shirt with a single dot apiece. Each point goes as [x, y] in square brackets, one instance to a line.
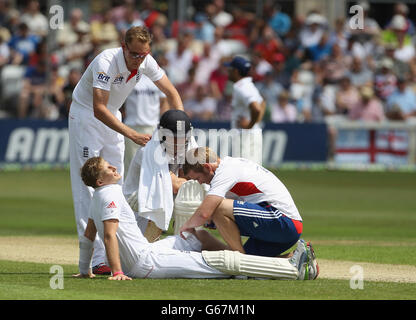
[119, 79]
[103, 77]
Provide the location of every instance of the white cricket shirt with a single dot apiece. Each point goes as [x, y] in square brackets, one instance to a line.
[142, 107]
[107, 203]
[108, 71]
[245, 180]
[244, 93]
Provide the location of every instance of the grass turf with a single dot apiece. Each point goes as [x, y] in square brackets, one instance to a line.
[375, 208]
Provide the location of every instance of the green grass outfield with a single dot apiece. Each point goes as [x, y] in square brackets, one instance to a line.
[354, 216]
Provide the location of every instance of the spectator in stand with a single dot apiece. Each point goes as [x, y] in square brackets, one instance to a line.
[402, 9]
[204, 28]
[321, 50]
[206, 64]
[69, 35]
[397, 36]
[220, 17]
[346, 96]
[282, 110]
[335, 66]
[73, 79]
[301, 90]
[118, 13]
[313, 30]
[22, 45]
[203, 107]
[35, 20]
[151, 16]
[239, 29]
[281, 74]
[385, 80]
[104, 33]
[269, 90]
[33, 91]
[280, 21]
[268, 44]
[180, 60]
[218, 80]
[401, 105]
[4, 53]
[260, 66]
[130, 19]
[187, 89]
[369, 108]
[358, 74]
[400, 68]
[339, 34]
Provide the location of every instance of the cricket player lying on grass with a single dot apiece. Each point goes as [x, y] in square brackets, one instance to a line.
[130, 255]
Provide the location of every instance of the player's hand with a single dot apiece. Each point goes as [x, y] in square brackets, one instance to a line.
[83, 276]
[120, 277]
[189, 230]
[141, 139]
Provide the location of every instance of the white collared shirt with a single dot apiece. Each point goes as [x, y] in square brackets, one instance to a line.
[244, 93]
[108, 71]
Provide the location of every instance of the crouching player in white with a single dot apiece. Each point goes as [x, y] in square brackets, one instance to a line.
[246, 199]
[130, 255]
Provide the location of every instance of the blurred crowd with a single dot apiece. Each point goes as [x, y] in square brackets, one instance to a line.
[308, 69]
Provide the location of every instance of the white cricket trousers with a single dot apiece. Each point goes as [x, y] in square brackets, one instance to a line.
[89, 137]
[174, 257]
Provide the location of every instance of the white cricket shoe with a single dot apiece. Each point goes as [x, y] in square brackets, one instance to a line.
[300, 259]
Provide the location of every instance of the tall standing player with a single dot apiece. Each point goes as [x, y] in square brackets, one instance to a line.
[95, 127]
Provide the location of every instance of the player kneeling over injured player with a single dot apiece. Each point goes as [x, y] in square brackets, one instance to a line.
[260, 206]
[130, 255]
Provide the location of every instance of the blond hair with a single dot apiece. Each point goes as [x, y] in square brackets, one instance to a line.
[195, 158]
[91, 171]
[140, 34]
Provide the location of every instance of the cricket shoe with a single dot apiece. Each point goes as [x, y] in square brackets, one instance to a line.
[300, 259]
[313, 267]
[101, 269]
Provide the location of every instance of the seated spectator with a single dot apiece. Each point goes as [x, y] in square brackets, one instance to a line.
[402, 103]
[269, 89]
[397, 36]
[73, 78]
[35, 20]
[402, 9]
[220, 17]
[335, 66]
[312, 31]
[22, 45]
[321, 50]
[260, 66]
[180, 60]
[269, 44]
[358, 74]
[280, 21]
[385, 80]
[400, 68]
[187, 89]
[151, 16]
[33, 91]
[202, 107]
[282, 110]
[104, 33]
[118, 13]
[130, 19]
[4, 53]
[346, 96]
[369, 108]
[218, 80]
[206, 64]
[69, 34]
[204, 28]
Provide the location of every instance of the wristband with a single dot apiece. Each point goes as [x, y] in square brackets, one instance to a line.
[117, 273]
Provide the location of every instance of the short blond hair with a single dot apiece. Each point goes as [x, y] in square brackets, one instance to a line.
[91, 171]
[140, 34]
[195, 158]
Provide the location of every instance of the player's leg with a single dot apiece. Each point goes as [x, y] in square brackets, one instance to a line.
[82, 145]
[224, 220]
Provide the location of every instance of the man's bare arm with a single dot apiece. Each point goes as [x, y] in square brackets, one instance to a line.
[101, 112]
[112, 250]
[170, 91]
